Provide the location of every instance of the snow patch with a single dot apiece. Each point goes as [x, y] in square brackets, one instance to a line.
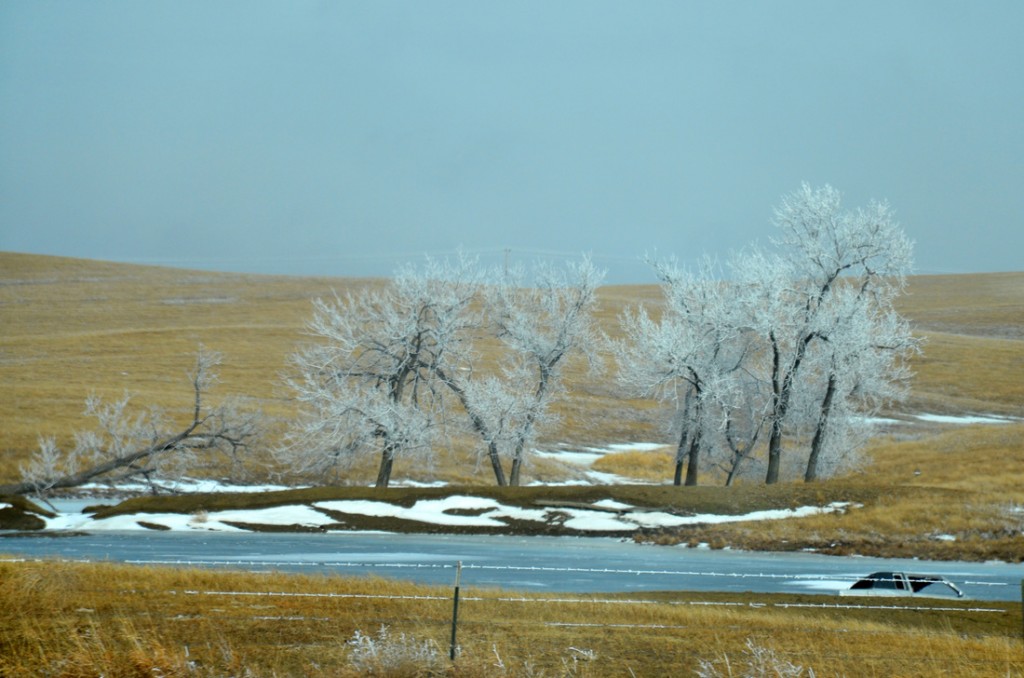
[186, 486]
[485, 513]
[635, 447]
[612, 504]
[435, 511]
[822, 585]
[966, 419]
[588, 455]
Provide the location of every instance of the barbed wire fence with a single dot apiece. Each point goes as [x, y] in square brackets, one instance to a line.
[447, 606]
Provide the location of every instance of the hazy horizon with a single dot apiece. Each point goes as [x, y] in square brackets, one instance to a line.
[345, 139]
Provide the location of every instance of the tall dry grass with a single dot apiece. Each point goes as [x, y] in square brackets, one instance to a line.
[77, 619]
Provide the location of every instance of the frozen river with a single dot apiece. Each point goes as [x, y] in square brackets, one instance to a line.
[555, 564]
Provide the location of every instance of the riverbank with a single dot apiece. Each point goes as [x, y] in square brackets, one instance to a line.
[835, 518]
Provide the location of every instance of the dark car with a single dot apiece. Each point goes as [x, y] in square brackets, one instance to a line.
[897, 584]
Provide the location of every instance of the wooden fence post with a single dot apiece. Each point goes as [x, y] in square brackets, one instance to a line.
[455, 609]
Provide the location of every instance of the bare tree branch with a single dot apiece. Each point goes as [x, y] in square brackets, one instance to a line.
[144, 446]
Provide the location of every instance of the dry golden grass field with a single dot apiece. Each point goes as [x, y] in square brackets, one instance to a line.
[77, 620]
[71, 327]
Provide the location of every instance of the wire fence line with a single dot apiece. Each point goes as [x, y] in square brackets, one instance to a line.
[439, 605]
[496, 568]
[430, 609]
[755, 604]
[443, 601]
[517, 568]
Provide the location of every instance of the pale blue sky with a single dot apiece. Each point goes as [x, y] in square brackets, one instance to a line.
[344, 138]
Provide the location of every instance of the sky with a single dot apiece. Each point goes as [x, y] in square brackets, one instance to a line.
[348, 138]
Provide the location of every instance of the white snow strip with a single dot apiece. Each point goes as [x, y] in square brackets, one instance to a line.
[212, 521]
[588, 455]
[657, 519]
[189, 486]
[171, 521]
[880, 421]
[822, 584]
[635, 447]
[595, 521]
[969, 419]
[435, 511]
[570, 457]
[612, 504]
[277, 515]
[432, 511]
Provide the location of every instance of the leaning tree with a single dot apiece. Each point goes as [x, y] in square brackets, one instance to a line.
[131, 444]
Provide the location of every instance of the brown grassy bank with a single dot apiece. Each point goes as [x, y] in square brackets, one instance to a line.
[75, 619]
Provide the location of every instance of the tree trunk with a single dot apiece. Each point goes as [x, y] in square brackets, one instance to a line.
[782, 388]
[774, 453]
[387, 460]
[499, 471]
[775, 437]
[811, 474]
[517, 465]
[731, 476]
[693, 461]
[478, 425]
[693, 454]
[677, 480]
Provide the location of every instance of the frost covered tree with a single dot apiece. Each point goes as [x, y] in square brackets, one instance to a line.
[798, 343]
[367, 381]
[790, 297]
[391, 367]
[147, 445]
[540, 326]
[745, 417]
[860, 366]
[690, 356]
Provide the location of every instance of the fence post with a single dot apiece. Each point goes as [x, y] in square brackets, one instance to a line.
[455, 609]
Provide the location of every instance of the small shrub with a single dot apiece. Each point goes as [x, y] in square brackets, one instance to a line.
[393, 656]
[760, 662]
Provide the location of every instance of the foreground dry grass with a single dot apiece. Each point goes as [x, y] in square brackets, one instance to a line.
[75, 619]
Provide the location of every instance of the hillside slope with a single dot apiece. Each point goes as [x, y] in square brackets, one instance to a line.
[72, 327]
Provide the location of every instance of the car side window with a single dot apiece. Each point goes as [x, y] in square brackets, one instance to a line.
[887, 580]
